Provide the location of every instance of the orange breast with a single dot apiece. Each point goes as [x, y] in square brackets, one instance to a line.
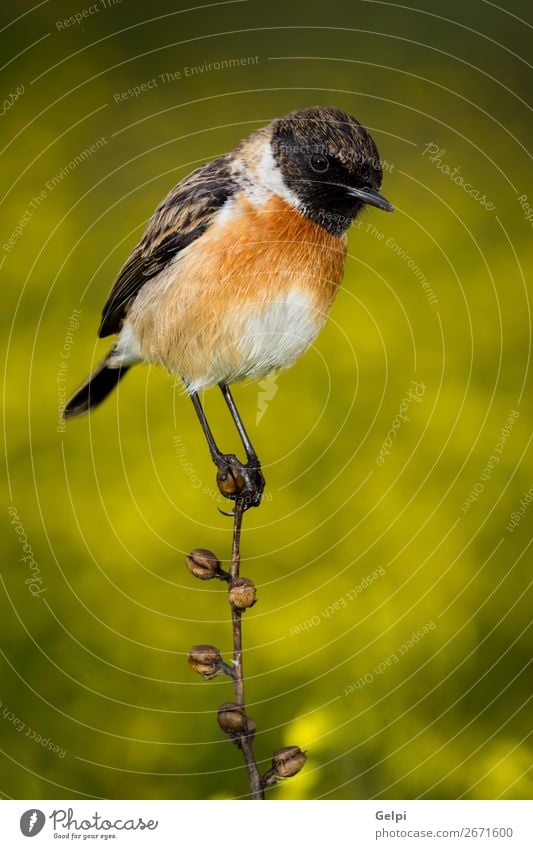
[261, 250]
[251, 258]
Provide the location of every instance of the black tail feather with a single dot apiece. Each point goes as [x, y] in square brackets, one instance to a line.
[98, 385]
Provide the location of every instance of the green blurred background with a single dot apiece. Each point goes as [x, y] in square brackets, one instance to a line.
[95, 661]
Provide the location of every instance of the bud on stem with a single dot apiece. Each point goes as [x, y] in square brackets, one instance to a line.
[205, 565]
[242, 593]
[286, 763]
[207, 662]
[231, 718]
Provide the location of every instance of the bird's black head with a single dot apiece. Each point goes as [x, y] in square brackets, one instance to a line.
[330, 163]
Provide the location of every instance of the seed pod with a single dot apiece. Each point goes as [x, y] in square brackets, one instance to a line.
[203, 564]
[231, 718]
[288, 761]
[242, 593]
[206, 661]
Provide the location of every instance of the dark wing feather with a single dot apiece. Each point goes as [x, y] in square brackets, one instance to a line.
[178, 221]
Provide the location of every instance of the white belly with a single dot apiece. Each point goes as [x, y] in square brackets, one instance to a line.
[277, 334]
[260, 339]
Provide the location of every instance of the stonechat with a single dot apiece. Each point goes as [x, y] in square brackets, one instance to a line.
[238, 268]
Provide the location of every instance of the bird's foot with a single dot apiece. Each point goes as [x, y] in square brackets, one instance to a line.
[242, 482]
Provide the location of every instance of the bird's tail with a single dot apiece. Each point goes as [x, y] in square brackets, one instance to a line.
[93, 391]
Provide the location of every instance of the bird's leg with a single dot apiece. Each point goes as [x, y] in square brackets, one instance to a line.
[236, 480]
[253, 466]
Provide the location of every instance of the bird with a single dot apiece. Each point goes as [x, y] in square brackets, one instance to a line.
[238, 268]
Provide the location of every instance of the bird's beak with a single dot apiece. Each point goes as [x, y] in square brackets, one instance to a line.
[372, 197]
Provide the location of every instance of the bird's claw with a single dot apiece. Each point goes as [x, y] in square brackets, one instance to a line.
[240, 482]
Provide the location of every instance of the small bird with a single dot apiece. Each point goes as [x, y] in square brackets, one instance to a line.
[238, 268]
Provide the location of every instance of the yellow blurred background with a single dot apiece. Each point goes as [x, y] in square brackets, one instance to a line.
[391, 552]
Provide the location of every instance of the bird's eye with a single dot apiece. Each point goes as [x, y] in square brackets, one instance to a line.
[319, 163]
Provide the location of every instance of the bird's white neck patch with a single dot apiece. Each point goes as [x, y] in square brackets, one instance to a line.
[267, 179]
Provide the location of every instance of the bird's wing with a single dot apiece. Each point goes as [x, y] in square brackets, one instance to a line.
[178, 221]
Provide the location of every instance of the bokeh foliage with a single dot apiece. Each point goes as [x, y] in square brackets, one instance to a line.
[97, 663]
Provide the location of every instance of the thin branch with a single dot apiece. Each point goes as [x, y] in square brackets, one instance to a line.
[244, 741]
[207, 660]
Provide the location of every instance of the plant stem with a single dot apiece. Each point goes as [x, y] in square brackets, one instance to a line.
[245, 742]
